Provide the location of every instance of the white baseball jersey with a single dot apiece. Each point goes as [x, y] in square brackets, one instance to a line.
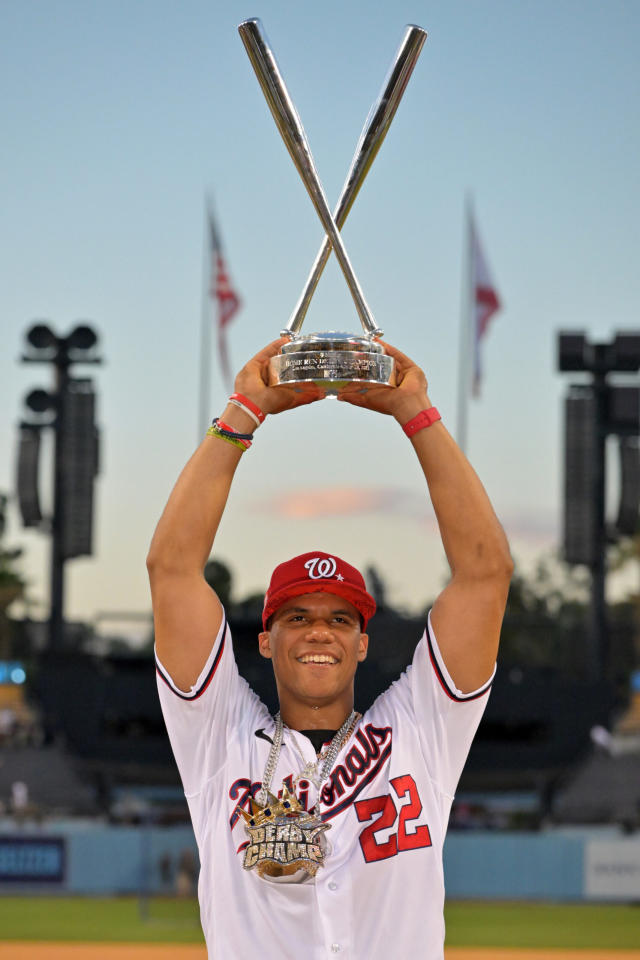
[380, 892]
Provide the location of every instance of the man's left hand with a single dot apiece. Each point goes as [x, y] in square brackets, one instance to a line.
[403, 401]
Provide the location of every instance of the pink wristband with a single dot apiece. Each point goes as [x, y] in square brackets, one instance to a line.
[240, 400]
[423, 419]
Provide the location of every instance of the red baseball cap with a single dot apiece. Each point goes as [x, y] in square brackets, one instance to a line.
[317, 572]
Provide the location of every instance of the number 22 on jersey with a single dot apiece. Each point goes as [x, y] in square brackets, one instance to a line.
[383, 814]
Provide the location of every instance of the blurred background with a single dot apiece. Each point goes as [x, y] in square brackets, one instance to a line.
[499, 223]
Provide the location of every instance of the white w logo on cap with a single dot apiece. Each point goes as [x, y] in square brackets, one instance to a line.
[321, 568]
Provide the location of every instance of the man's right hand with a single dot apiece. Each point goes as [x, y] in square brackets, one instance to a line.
[253, 382]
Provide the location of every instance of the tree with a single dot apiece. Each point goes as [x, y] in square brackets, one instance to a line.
[547, 624]
[544, 623]
[219, 577]
[11, 582]
[625, 553]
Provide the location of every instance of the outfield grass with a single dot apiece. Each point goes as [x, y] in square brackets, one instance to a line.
[176, 921]
[543, 925]
[99, 919]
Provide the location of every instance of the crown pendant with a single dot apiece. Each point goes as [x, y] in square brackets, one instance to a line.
[284, 838]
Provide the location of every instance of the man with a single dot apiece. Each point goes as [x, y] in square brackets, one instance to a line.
[320, 832]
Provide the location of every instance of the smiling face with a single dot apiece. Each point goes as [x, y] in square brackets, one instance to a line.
[315, 643]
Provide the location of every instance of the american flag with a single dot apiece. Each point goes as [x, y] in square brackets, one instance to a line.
[223, 295]
[485, 302]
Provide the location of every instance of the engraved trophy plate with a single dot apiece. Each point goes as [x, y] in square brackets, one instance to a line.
[331, 359]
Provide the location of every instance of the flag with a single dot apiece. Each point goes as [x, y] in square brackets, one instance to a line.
[484, 302]
[223, 295]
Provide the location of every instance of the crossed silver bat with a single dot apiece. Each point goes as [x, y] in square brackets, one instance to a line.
[373, 133]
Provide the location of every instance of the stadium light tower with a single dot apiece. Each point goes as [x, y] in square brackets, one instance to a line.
[594, 411]
[69, 409]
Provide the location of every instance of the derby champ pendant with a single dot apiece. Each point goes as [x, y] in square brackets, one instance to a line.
[286, 842]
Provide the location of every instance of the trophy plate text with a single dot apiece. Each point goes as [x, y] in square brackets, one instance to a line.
[331, 360]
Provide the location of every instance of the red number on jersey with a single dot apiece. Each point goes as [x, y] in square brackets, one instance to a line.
[388, 815]
[366, 810]
[420, 837]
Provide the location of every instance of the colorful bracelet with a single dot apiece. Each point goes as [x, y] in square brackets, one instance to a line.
[249, 407]
[224, 432]
[423, 419]
[225, 428]
[214, 432]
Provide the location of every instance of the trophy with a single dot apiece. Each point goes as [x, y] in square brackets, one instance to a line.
[333, 358]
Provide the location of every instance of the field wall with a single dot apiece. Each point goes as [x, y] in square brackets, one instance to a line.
[77, 858]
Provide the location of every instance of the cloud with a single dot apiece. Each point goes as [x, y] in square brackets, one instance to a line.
[537, 527]
[310, 503]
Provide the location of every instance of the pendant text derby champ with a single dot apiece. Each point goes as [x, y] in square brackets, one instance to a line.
[283, 838]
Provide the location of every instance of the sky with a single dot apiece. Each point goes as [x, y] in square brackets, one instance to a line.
[119, 117]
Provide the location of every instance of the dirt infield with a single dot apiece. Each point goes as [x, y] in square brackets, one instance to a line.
[101, 951]
[136, 951]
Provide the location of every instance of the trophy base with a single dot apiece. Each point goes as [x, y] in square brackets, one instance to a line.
[332, 360]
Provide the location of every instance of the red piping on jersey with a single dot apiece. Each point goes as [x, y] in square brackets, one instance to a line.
[443, 682]
[208, 679]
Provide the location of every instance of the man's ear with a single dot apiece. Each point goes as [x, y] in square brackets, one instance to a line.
[264, 644]
[363, 646]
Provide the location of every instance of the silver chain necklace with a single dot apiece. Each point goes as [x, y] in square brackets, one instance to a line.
[286, 841]
[310, 770]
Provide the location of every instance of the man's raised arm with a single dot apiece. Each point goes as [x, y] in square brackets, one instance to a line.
[467, 615]
[187, 613]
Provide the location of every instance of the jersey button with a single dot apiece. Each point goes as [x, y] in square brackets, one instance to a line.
[335, 948]
[333, 885]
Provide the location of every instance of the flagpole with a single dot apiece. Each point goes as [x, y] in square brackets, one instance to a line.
[465, 330]
[205, 332]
